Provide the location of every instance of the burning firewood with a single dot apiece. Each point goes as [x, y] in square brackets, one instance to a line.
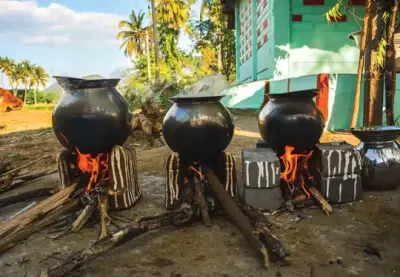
[112, 182]
[184, 182]
[300, 184]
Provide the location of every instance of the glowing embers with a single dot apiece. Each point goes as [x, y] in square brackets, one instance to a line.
[294, 168]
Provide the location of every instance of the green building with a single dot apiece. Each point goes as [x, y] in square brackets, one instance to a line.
[288, 45]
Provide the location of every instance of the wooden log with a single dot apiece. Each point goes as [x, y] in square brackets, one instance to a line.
[45, 220]
[147, 125]
[202, 203]
[17, 224]
[135, 122]
[261, 225]
[113, 240]
[25, 196]
[236, 214]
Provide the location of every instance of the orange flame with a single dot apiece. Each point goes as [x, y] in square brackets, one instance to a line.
[292, 163]
[93, 165]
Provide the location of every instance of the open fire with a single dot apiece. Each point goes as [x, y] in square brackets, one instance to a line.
[92, 165]
[295, 167]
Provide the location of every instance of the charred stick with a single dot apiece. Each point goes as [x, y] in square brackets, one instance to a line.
[321, 200]
[4, 167]
[83, 218]
[25, 196]
[46, 219]
[129, 232]
[15, 170]
[102, 205]
[202, 203]
[12, 181]
[236, 214]
[261, 225]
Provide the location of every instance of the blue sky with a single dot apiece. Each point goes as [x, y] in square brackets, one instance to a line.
[69, 37]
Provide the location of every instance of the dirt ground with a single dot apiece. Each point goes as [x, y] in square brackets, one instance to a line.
[316, 244]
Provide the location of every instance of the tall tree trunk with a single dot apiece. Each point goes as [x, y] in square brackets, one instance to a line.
[35, 93]
[148, 56]
[367, 65]
[2, 80]
[376, 88]
[15, 89]
[26, 92]
[155, 38]
[390, 70]
[364, 34]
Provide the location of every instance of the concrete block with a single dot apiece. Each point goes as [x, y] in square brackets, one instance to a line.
[261, 168]
[337, 159]
[341, 189]
[269, 199]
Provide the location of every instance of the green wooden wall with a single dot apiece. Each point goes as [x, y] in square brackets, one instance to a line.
[296, 48]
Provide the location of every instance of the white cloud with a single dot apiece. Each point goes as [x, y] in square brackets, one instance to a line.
[27, 23]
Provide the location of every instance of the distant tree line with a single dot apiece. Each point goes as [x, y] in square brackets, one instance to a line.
[25, 73]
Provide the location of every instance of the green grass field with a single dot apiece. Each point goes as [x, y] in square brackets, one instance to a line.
[40, 106]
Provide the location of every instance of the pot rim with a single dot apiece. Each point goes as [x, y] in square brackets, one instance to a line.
[375, 129]
[73, 83]
[301, 94]
[196, 98]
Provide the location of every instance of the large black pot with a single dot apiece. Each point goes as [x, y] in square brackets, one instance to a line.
[291, 119]
[380, 156]
[91, 115]
[198, 127]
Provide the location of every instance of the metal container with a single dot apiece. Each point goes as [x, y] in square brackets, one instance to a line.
[380, 156]
[291, 119]
[198, 127]
[91, 115]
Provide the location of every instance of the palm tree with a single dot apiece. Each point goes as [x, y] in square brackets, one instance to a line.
[155, 40]
[6, 66]
[17, 75]
[176, 13]
[133, 34]
[39, 78]
[27, 76]
[212, 10]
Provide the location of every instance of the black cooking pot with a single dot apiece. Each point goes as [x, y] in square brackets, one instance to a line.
[91, 115]
[380, 156]
[198, 127]
[291, 119]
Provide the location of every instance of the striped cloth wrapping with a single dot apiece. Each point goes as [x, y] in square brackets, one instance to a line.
[67, 168]
[173, 179]
[123, 175]
[224, 168]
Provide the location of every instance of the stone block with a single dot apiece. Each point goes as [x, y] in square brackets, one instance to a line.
[336, 159]
[261, 168]
[265, 198]
[341, 189]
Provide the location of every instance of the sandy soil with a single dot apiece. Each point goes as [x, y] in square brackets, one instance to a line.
[315, 243]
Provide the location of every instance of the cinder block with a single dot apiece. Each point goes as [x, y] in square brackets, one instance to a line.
[336, 159]
[261, 168]
[266, 198]
[341, 189]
